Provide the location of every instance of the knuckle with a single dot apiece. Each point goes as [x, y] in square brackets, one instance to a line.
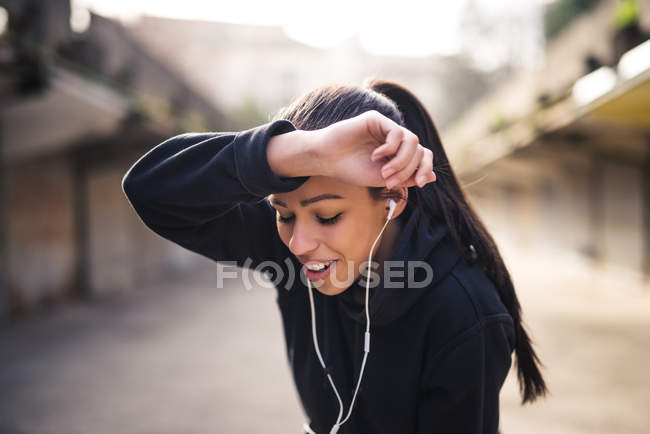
[416, 157]
[403, 175]
[372, 115]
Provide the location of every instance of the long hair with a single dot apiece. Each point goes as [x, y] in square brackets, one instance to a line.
[444, 201]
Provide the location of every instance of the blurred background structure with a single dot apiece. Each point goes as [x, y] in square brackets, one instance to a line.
[544, 108]
[77, 110]
[564, 148]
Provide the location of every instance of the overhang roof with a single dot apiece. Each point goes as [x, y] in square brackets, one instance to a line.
[616, 124]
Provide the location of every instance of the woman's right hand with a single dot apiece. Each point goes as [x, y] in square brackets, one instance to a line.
[372, 150]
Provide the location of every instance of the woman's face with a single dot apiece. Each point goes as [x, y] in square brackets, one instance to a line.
[325, 220]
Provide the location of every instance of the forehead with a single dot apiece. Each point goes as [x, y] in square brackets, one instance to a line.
[318, 185]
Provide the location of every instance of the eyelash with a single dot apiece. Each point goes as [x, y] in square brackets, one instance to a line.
[329, 221]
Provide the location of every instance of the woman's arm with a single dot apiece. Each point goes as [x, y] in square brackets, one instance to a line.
[461, 386]
[294, 154]
[205, 191]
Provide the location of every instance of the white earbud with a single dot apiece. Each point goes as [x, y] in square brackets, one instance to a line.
[392, 205]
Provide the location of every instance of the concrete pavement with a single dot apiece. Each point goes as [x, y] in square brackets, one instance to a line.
[191, 358]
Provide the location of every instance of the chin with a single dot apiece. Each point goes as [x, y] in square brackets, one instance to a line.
[329, 289]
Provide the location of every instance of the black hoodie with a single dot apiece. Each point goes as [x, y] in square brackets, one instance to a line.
[439, 354]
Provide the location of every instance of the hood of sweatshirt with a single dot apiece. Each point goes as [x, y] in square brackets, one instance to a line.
[420, 240]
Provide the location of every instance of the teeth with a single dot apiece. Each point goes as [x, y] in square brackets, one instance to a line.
[317, 267]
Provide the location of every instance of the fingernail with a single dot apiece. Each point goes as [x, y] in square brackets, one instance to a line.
[387, 172]
[391, 183]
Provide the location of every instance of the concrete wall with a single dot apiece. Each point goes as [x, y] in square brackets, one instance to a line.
[554, 202]
[40, 232]
[71, 232]
[124, 254]
[622, 234]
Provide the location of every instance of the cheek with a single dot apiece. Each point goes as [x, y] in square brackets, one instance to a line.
[350, 239]
[351, 242]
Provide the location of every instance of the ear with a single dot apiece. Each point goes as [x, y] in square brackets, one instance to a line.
[401, 203]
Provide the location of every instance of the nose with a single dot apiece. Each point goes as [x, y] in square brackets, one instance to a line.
[302, 239]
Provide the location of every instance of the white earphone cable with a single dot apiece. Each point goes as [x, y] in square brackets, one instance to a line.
[366, 347]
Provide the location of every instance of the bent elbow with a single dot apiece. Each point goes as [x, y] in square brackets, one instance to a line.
[136, 193]
[129, 187]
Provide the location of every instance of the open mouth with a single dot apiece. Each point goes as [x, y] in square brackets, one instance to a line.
[326, 267]
[317, 274]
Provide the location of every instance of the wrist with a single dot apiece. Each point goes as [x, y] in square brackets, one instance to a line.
[293, 154]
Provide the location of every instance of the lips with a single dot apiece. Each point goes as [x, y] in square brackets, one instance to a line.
[320, 273]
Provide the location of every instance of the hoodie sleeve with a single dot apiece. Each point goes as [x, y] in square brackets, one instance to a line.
[206, 192]
[461, 386]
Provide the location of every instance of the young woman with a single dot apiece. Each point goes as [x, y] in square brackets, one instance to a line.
[337, 186]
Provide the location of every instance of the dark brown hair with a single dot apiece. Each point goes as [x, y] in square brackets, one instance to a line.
[444, 200]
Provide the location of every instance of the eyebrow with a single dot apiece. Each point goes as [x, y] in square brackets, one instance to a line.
[306, 202]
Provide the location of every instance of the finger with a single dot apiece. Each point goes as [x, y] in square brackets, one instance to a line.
[393, 140]
[408, 170]
[425, 173]
[378, 153]
[403, 157]
[409, 182]
[404, 154]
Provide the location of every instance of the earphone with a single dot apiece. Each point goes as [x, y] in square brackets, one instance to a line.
[392, 205]
[366, 342]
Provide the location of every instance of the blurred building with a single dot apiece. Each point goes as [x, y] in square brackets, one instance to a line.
[253, 70]
[558, 160]
[77, 108]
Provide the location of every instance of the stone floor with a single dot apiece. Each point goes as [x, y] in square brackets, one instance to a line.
[592, 331]
[176, 359]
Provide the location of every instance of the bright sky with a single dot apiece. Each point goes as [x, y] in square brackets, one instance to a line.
[402, 27]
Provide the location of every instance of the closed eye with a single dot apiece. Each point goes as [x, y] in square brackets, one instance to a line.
[324, 221]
